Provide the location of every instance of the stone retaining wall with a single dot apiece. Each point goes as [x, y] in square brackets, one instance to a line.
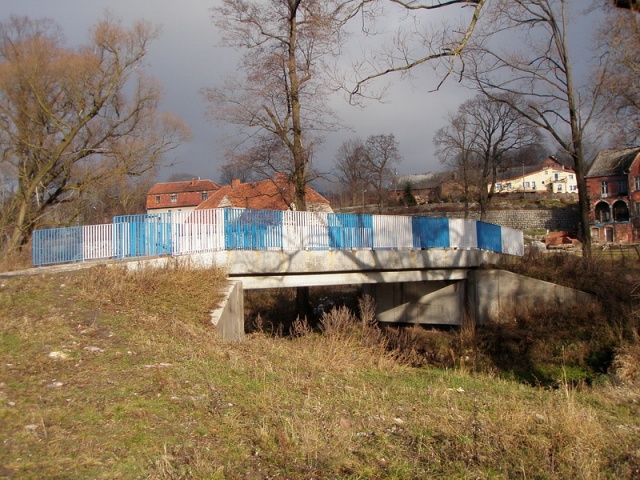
[554, 219]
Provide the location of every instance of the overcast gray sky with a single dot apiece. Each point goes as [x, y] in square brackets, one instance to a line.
[187, 57]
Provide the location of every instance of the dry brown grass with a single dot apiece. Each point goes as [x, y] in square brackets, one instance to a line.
[11, 260]
[164, 398]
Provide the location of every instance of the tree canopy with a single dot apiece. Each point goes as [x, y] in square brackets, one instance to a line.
[71, 120]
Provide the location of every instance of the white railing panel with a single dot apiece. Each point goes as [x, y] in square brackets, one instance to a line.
[391, 231]
[98, 241]
[512, 241]
[305, 230]
[462, 233]
[197, 231]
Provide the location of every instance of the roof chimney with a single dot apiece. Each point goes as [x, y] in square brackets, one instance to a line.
[235, 183]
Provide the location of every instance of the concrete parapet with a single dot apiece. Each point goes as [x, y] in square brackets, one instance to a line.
[229, 317]
[243, 262]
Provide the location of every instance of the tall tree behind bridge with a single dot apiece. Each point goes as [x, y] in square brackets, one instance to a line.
[280, 93]
[73, 120]
[351, 169]
[534, 63]
[381, 152]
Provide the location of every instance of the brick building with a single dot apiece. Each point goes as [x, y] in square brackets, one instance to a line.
[613, 186]
[179, 196]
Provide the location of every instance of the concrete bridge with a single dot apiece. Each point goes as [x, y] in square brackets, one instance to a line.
[419, 270]
[429, 287]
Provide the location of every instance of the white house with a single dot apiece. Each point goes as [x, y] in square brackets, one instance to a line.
[549, 176]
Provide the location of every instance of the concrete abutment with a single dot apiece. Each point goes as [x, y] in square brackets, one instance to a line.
[486, 296]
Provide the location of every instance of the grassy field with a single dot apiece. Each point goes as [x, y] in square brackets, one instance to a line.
[108, 374]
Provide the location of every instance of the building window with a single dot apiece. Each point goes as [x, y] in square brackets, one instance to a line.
[204, 195]
[620, 212]
[533, 185]
[559, 187]
[622, 187]
[637, 182]
[157, 198]
[608, 234]
[570, 177]
[498, 186]
[174, 198]
[527, 184]
[556, 176]
[603, 212]
[509, 185]
[573, 188]
[604, 189]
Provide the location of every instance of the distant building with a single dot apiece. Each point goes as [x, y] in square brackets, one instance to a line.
[425, 187]
[179, 196]
[549, 176]
[613, 186]
[276, 193]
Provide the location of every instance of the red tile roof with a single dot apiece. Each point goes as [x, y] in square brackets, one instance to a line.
[187, 194]
[195, 185]
[272, 194]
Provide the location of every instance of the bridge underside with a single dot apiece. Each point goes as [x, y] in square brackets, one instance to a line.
[436, 286]
[424, 286]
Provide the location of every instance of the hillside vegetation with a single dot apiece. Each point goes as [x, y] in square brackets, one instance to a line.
[109, 374]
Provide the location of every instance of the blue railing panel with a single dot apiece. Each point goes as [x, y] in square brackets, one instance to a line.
[350, 231]
[489, 237]
[253, 229]
[57, 245]
[430, 232]
[144, 235]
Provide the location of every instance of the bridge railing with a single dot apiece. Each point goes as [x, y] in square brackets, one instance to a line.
[179, 233]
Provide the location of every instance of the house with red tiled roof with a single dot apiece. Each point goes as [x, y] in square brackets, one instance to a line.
[179, 196]
[276, 193]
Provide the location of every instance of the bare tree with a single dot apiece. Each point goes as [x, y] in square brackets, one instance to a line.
[280, 99]
[351, 168]
[414, 43]
[541, 72]
[72, 119]
[453, 144]
[621, 37]
[235, 168]
[479, 139]
[120, 196]
[381, 153]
